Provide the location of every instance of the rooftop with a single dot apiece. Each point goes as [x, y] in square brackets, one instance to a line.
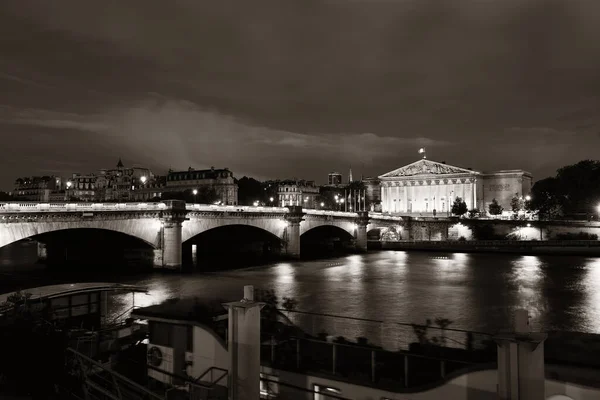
[75, 288]
[190, 309]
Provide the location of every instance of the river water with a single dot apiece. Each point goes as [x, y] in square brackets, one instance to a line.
[475, 291]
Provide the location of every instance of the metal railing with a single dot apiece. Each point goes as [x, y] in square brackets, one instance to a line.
[391, 336]
[370, 366]
[221, 374]
[82, 207]
[11, 207]
[101, 382]
[499, 243]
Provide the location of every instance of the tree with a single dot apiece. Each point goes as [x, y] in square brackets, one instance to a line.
[474, 213]
[6, 197]
[516, 204]
[459, 207]
[205, 195]
[574, 190]
[249, 191]
[494, 208]
[578, 187]
[327, 197]
[546, 199]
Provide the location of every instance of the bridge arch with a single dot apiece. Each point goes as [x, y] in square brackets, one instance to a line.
[349, 226]
[147, 230]
[195, 226]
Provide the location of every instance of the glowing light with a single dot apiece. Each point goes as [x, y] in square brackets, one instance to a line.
[322, 204]
[195, 191]
[271, 199]
[143, 179]
[528, 197]
[69, 184]
[528, 225]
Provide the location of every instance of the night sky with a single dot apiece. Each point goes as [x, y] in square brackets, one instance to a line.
[297, 88]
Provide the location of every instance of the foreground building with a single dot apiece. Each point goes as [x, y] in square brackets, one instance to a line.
[426, 186]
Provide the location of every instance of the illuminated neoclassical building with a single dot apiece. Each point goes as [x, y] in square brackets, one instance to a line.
[426, 185]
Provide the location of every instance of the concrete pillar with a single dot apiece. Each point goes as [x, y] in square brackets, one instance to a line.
[169, 255]
[172, 245]
[521, 374]
[42, 252]
[244, 347]
[195, 255]
[361, 231]
[293, 219]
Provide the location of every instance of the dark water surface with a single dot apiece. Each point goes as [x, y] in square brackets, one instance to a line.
[475, 291]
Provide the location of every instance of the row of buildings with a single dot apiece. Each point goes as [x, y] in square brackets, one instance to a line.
[423, 187]
[123, 184]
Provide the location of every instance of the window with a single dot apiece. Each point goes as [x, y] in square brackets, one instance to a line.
[321, 392]
[269, 388]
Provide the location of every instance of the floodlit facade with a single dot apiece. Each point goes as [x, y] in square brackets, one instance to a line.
[220, 180]
[430, 187]
[297, 193]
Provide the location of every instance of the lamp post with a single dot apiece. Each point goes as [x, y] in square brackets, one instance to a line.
[195, 192]
[68, 193]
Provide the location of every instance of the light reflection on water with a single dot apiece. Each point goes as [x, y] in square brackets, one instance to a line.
[475, 291]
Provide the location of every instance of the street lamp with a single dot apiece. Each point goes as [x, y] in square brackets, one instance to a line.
[195, 192]
[143, 179]
[528, 198]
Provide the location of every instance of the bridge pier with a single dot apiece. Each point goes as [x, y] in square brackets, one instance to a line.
[361, 231]
[170, 254]
[292, 232]
[42, 253]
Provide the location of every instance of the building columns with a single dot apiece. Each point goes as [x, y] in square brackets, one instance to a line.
[292, 231]
[361, 231]
[169, 255]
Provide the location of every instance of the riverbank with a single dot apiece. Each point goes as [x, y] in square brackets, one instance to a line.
[589, 248]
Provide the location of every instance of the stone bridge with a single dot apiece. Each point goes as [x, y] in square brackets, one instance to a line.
[166, 226]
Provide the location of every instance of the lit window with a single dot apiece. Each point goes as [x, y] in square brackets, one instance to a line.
[322, 392]
[269, 388]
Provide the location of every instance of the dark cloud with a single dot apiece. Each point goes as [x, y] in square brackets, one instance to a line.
[297, 88]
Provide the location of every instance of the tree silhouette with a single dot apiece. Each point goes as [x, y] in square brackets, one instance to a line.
[494, 208]
[459, 207]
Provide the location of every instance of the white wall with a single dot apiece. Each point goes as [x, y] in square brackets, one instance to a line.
[208, 352]
[479, 385]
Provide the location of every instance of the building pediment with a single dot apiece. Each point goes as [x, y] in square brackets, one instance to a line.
[426, 167]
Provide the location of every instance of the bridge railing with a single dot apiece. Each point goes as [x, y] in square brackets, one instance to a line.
[74, 207]
[10, 207]
[220, 208]
[311, 211]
